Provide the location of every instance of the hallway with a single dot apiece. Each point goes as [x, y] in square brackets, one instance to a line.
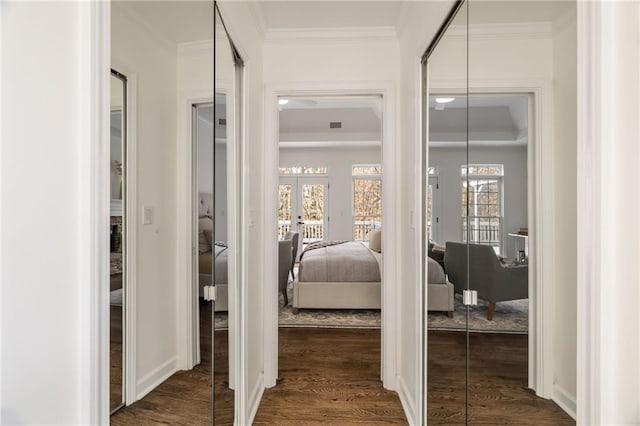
[329, 376]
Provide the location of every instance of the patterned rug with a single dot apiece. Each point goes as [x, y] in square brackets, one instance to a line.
[510, 317]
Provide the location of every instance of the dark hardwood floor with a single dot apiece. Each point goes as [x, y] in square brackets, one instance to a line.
[332, 376]
[329, 376]
[185, 398]
[115, 357]
[498, 393]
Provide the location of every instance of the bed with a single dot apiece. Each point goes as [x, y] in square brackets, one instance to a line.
[347, 275]
[341, 275]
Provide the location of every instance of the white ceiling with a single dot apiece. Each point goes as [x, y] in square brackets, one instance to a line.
[304, 122]
[501, 118]
[185, 21]
[518, 11]
[491, 119]
[329, 14]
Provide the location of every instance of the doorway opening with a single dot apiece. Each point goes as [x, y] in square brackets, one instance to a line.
[294, 151]
[330, 218]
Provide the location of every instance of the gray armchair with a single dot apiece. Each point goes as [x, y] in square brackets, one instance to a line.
[493, 282]
[294, 236]
[284, 263]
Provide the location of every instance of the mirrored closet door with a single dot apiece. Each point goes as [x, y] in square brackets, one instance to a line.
[445, 109]
[117, 246]
[216, 140]
[486, 83]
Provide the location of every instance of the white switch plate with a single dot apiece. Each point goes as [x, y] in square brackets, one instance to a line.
[147, 215]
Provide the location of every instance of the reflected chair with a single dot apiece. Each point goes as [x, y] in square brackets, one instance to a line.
[493, 281]
[284, 263]
[294, 236]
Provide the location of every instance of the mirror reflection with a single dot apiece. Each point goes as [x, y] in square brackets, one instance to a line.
[447, 137]
[486, 112]
[117, 241]
[182, 355]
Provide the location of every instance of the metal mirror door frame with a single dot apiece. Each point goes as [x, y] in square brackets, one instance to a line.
[123, 238]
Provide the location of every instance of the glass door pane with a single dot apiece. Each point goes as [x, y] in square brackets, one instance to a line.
[285, 208]
[312, 221]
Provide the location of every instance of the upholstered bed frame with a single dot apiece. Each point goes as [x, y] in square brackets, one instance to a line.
[367, 295]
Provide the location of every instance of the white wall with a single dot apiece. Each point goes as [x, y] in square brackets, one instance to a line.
[339, 162]
[205, 154]
[135, 51]
[205, 175]
[565, 196]
[608, 211]
[48, 285]
[448, 162]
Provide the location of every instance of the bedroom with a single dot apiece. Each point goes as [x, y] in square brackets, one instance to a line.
[330, 185]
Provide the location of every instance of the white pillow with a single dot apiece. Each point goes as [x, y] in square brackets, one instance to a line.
[375, 240]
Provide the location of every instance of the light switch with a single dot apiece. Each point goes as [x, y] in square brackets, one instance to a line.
[147, 215]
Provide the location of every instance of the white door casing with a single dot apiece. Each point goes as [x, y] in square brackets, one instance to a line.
[389, 310]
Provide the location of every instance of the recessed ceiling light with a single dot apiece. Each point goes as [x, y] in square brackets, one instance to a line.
[444, 100]
[283, 101]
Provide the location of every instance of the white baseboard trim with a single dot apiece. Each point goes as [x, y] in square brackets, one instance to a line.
[565, 400]
[256, 397]
[407, 403]
[157, 376]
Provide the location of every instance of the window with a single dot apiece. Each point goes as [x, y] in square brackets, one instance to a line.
[303, 170]
[367, 199]
[482, 186]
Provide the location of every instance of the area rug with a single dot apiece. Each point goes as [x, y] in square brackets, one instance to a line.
[510, 317]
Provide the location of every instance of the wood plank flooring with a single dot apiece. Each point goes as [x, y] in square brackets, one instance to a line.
[332, 376]
[329, 376]
[185, 398]
[498, 393]
[115, 357]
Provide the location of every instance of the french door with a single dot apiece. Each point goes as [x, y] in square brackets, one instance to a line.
[303, 207]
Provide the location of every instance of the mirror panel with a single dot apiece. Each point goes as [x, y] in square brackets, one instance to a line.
[117, 241]
[225, 239]
[444, 195]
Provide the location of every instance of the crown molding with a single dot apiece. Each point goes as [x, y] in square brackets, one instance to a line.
[329, 144]
[511, 31]
[194, 48]
[324, 34]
